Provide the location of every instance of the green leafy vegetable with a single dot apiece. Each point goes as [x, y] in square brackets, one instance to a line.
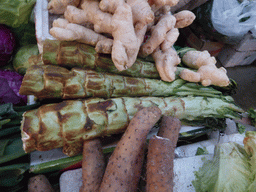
[21, 58]
[241, 128]
[201, 151]
[11, 149]
[250, 148]
[252, 116]
[15, 13]
[228, 171]
[11, 175]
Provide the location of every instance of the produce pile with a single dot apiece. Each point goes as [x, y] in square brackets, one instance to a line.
[128, 29]
[111, 61]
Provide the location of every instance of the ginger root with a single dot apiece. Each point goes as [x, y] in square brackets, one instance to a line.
[127, 41]
[207, 72]
[66, 31]
[158, 34]
[166, 63]
[184, 18]
[118, 27]
[196, 59]
[59, 6]
[207, 75]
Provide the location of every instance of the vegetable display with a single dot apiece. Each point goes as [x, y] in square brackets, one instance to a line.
[118, 28]
[113, 69]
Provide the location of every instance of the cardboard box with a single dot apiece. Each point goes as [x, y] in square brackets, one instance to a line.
[248, 43]
[230, 57]
[244, 53]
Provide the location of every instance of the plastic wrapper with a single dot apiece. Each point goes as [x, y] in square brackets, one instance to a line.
[205, 20]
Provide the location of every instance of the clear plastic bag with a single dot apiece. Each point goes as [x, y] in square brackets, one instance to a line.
[232, 18]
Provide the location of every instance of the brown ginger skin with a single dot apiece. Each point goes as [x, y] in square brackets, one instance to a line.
[65, 31]
[184, 18]
[207, 72]
[207, 75]
[59, 6]
[158, 34]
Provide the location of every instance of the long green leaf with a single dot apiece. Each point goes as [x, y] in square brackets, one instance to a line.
[11, 175]
[12, 150]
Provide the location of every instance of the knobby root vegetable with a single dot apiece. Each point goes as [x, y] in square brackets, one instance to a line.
[158, 34]
[166, 58]
[93, 165]
[124, 167]
[207, 72]
[90, 13]
[166, 63]
[59, 6]
[207, 75]
[126, 40]
[142, 13]
[65, 31]
[158, 4]
[196, 59]
[171, 38]
[159, 168]
[39, 183]
[184, 18]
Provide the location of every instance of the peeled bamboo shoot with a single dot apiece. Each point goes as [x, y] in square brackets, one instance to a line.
[67, 124]
[48, 81]
[74, 54]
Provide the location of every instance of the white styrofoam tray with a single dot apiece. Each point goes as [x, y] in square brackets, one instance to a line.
[43, 21]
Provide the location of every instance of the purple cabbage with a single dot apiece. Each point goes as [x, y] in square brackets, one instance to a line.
[7, 45]
[10, 82]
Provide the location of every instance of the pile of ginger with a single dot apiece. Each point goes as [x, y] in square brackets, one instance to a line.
[125, 29]
[119, 28]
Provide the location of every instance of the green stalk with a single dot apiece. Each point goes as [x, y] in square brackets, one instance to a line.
[74, 54]
[48, 81]
[67, 123]
[55, 165]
